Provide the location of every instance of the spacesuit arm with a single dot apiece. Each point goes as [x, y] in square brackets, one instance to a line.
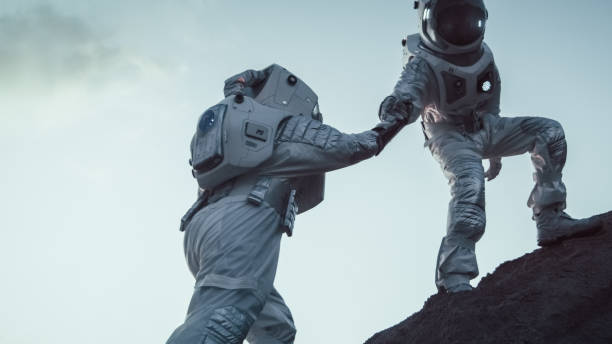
[305, 146]
[413, 86]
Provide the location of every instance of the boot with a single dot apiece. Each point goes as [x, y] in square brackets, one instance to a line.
[459, 288]
[455, 283]
[555, 225]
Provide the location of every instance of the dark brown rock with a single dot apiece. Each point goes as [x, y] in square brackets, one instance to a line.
[558, 294]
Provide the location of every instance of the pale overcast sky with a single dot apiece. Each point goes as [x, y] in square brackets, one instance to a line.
[98, 102]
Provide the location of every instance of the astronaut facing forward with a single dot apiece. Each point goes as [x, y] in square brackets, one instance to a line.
[451, 81]
[259, 157]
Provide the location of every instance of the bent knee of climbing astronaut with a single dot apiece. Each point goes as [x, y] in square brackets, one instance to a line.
[546, 129]
[552, 134]
[555, 128]
[557, 145]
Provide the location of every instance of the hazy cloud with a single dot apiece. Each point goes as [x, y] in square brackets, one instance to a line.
[44, 47]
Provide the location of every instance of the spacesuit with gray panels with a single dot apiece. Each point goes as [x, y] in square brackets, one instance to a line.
[450, 79]
[259, 157]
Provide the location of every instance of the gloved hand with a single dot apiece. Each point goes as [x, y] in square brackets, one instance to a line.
[495, 166]
[244, 82]
[391, 108]
[394, 115]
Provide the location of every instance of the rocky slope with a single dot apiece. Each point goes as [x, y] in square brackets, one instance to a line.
[559, 294]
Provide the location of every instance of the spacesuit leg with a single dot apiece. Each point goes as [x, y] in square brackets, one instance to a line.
[274, 325]
[545, 140]
[232, 250]
[460, 157]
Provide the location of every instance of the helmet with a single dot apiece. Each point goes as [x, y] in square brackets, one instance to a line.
[452, 26]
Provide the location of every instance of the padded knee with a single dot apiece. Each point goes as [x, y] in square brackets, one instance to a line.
[550, 141]
[467, 220]
[553, 130]
[554, 136]
[557, 151]
[286, 335]
[227, 325]
[467, 217]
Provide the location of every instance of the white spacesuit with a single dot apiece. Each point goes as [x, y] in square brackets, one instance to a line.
[451, 81]
[259, 157]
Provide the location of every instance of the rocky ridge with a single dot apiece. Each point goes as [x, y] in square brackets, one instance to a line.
[559, 294]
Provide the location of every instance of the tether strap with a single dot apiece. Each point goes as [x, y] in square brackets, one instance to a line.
[259, 190]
